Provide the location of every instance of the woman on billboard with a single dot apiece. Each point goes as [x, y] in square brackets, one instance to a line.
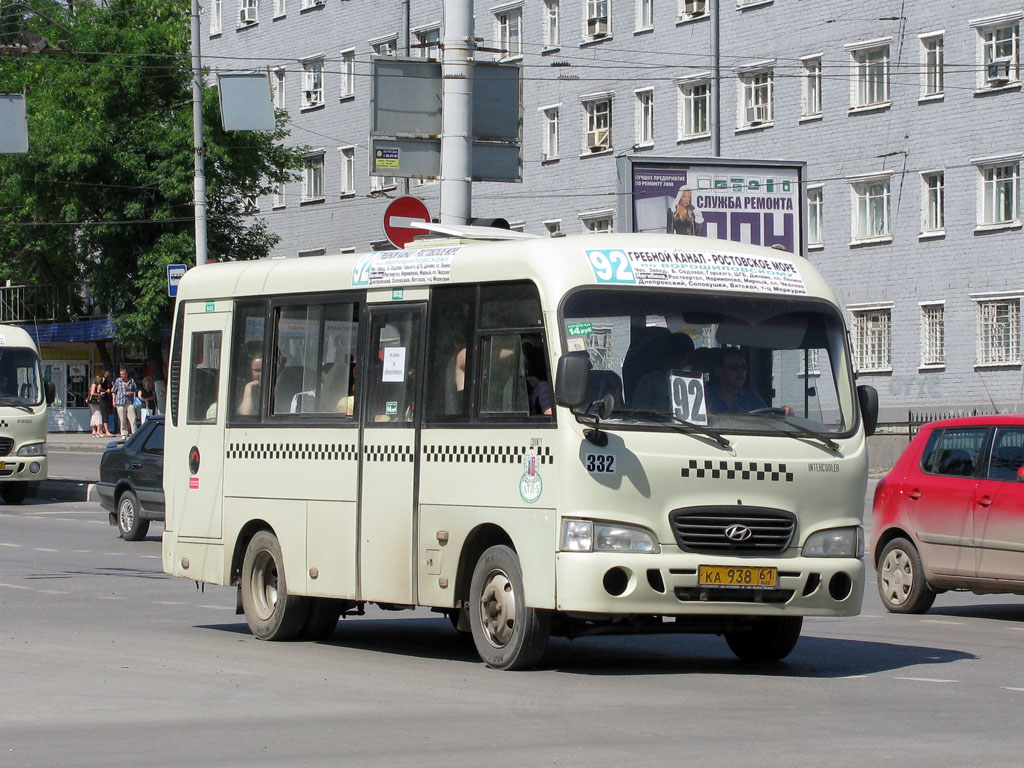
[683, 218]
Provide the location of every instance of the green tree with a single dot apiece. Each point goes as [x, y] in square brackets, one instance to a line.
[103, 199]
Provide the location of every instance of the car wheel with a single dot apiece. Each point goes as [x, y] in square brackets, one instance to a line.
[13, 493]
[272, 613]
[901, 582]
[771, 638]
[130, 526]
[507, 634]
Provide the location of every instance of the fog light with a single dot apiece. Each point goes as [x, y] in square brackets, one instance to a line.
[34, 467]
[616, 581]
[840, 586]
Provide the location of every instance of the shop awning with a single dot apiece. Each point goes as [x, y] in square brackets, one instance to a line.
[79, 330]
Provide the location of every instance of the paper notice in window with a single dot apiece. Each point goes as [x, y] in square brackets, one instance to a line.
[394, 364]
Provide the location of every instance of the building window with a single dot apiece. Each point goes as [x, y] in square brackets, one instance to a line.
[251, 204]
[348, 171]
[934, 197]
[694, 98]
[933, 66]
[1000, 184]
[215, 17]
[553, 227]
[757, 94]
[313, 178]
[597, 19]
[872, 339]
[870, 76]
[348, 73]
[815, 217]
[597, 124]
[248, 12]
[312, 83]
[812, 86]
[312, 4]
[1000, 51]
[644, 14]
[598, 222]
[999, 332]
[279, 8]
[277, 92]
[386, 47]
[871, 209]
[550, 18]
[645, 117]
[313, 252]
[384, 183]
[508, 33]
[933, 335]
[428, 43]
[692, 9]
[279, 195]
[549, 150]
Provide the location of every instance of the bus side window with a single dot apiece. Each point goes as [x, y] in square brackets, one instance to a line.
[204, 375]
[246, 359]
[452, 315]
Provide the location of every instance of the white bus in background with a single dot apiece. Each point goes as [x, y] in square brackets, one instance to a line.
[23, 401]
[385, 428]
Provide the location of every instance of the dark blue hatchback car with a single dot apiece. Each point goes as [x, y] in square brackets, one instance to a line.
[131, 480]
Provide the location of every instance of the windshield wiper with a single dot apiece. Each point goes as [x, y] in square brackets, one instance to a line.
[804, 431]
[14, 402]
[672, 418]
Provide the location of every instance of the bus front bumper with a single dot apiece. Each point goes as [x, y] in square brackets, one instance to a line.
[23, 468]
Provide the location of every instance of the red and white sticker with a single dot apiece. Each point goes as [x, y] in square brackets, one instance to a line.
[193, 483]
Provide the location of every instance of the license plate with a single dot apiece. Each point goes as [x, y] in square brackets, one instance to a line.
[731, 576]
[2, 465]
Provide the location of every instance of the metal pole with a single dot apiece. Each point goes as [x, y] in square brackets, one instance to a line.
[456, 113]
[406, 51]
[716, 84]
[197, 139]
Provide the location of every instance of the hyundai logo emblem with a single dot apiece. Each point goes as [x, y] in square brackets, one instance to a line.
[738, 533]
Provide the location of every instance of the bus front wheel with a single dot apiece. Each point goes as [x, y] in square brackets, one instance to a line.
[14, 493]
[507, 633]
[768, 639]
[272, 613]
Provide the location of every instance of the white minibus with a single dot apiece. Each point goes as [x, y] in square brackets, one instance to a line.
[570, 436]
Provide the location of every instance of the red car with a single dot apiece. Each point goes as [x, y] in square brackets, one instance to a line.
[950, 514]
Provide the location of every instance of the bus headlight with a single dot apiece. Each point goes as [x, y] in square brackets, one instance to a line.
[588, 536]
[836, 542]
[32, 449]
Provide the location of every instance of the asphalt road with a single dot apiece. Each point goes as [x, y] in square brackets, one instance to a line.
[106, 661]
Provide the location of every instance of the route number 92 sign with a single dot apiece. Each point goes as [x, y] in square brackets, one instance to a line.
[688, 399]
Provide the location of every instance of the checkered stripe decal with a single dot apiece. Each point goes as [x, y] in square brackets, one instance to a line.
[484, 454]
[3, 424]
[737, 470]
[392, 453]
[301, 451]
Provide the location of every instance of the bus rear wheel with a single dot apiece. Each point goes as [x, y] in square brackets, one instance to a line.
[272, 613]
[14, 493]
[771, 638]
[507, 634]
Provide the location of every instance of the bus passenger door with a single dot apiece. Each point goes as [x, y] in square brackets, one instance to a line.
[389, 416]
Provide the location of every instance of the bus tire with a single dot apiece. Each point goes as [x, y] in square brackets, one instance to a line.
[507, 634]
[129, 525]
[322, 619]
[901, 582]
[14, 493]
[771, 638]
[272, 613]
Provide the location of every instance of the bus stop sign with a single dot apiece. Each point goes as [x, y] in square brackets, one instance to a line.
[174, 274]
[400, 213]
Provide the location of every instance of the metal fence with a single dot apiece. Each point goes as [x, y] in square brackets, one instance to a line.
[916, 419]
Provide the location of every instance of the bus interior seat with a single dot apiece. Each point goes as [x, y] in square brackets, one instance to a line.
[955, 461]
[603, 382]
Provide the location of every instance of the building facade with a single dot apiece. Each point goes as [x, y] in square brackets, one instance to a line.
[905, 113]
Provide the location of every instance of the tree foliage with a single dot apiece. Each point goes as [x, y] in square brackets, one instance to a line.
[103, 199]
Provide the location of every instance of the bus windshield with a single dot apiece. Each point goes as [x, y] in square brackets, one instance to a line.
[734, 363]
[19, 377]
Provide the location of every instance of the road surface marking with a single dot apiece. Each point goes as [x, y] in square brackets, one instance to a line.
[219, 607]
[84, 551]
[113, 554]
[151, 557]
[5, 544]
[18, 586]
[110, 597]
[34, 589]
[44, 549]
[853, 677]
[940, 621]
[1011, 689]
[926, 680]
[168, 602]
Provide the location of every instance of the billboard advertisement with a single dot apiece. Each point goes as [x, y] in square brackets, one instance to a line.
[744, 201]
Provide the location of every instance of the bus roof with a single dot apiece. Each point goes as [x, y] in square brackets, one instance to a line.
[556, 265]
[15, 336]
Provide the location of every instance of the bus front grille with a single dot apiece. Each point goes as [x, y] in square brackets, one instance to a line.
[6, 444]
[733, 529]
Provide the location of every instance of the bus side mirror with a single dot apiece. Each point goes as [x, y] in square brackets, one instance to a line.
[572, 379]
[868, 397]
[51, 392]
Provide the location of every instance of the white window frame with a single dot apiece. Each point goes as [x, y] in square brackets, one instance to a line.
[549, 25]
[426, 46]
[756, 96]
[348, 73]
[250, 204]
[597, 118]
[644, 117]
[550, 138]
[998, 189]
[280, 9]
[312, 82]
[307, 4]
[870, 214]
[597, 20]
[313, 177]
[815, 216]
[998, 51]
[508, 32]
[216, 17]
[553, 227]
[871, 331]
[870, 86]
[385, 46]
[693, 106]
[280, 199]
[811, 86]
[644, 15]
[602, 221]
[998, 331]
[347, 158]
[277, 87]
[248, 13]
[933, 203]
[933, 334]
[692, 9]
[933, 65]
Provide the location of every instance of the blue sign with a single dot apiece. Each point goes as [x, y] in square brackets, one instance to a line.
[174, 274]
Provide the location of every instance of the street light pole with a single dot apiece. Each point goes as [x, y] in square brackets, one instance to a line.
[456, 113]
[198, 147]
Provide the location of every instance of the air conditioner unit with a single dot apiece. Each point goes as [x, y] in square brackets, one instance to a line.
[311, 97]
[695, 7]
[318, 2]
[757, 114]
[597, 26]
[247, 14]
[998, 72]
[597, 140]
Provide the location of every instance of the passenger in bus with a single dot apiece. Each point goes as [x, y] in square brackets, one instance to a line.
[653, 391]
[727, 391]
[535, 365]
[250, 404]
[306, 401]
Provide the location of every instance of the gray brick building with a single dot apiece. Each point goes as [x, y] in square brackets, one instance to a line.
[907, 115]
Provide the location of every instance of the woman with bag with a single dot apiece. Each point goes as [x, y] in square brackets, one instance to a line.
[147, 396]
[94, 399]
